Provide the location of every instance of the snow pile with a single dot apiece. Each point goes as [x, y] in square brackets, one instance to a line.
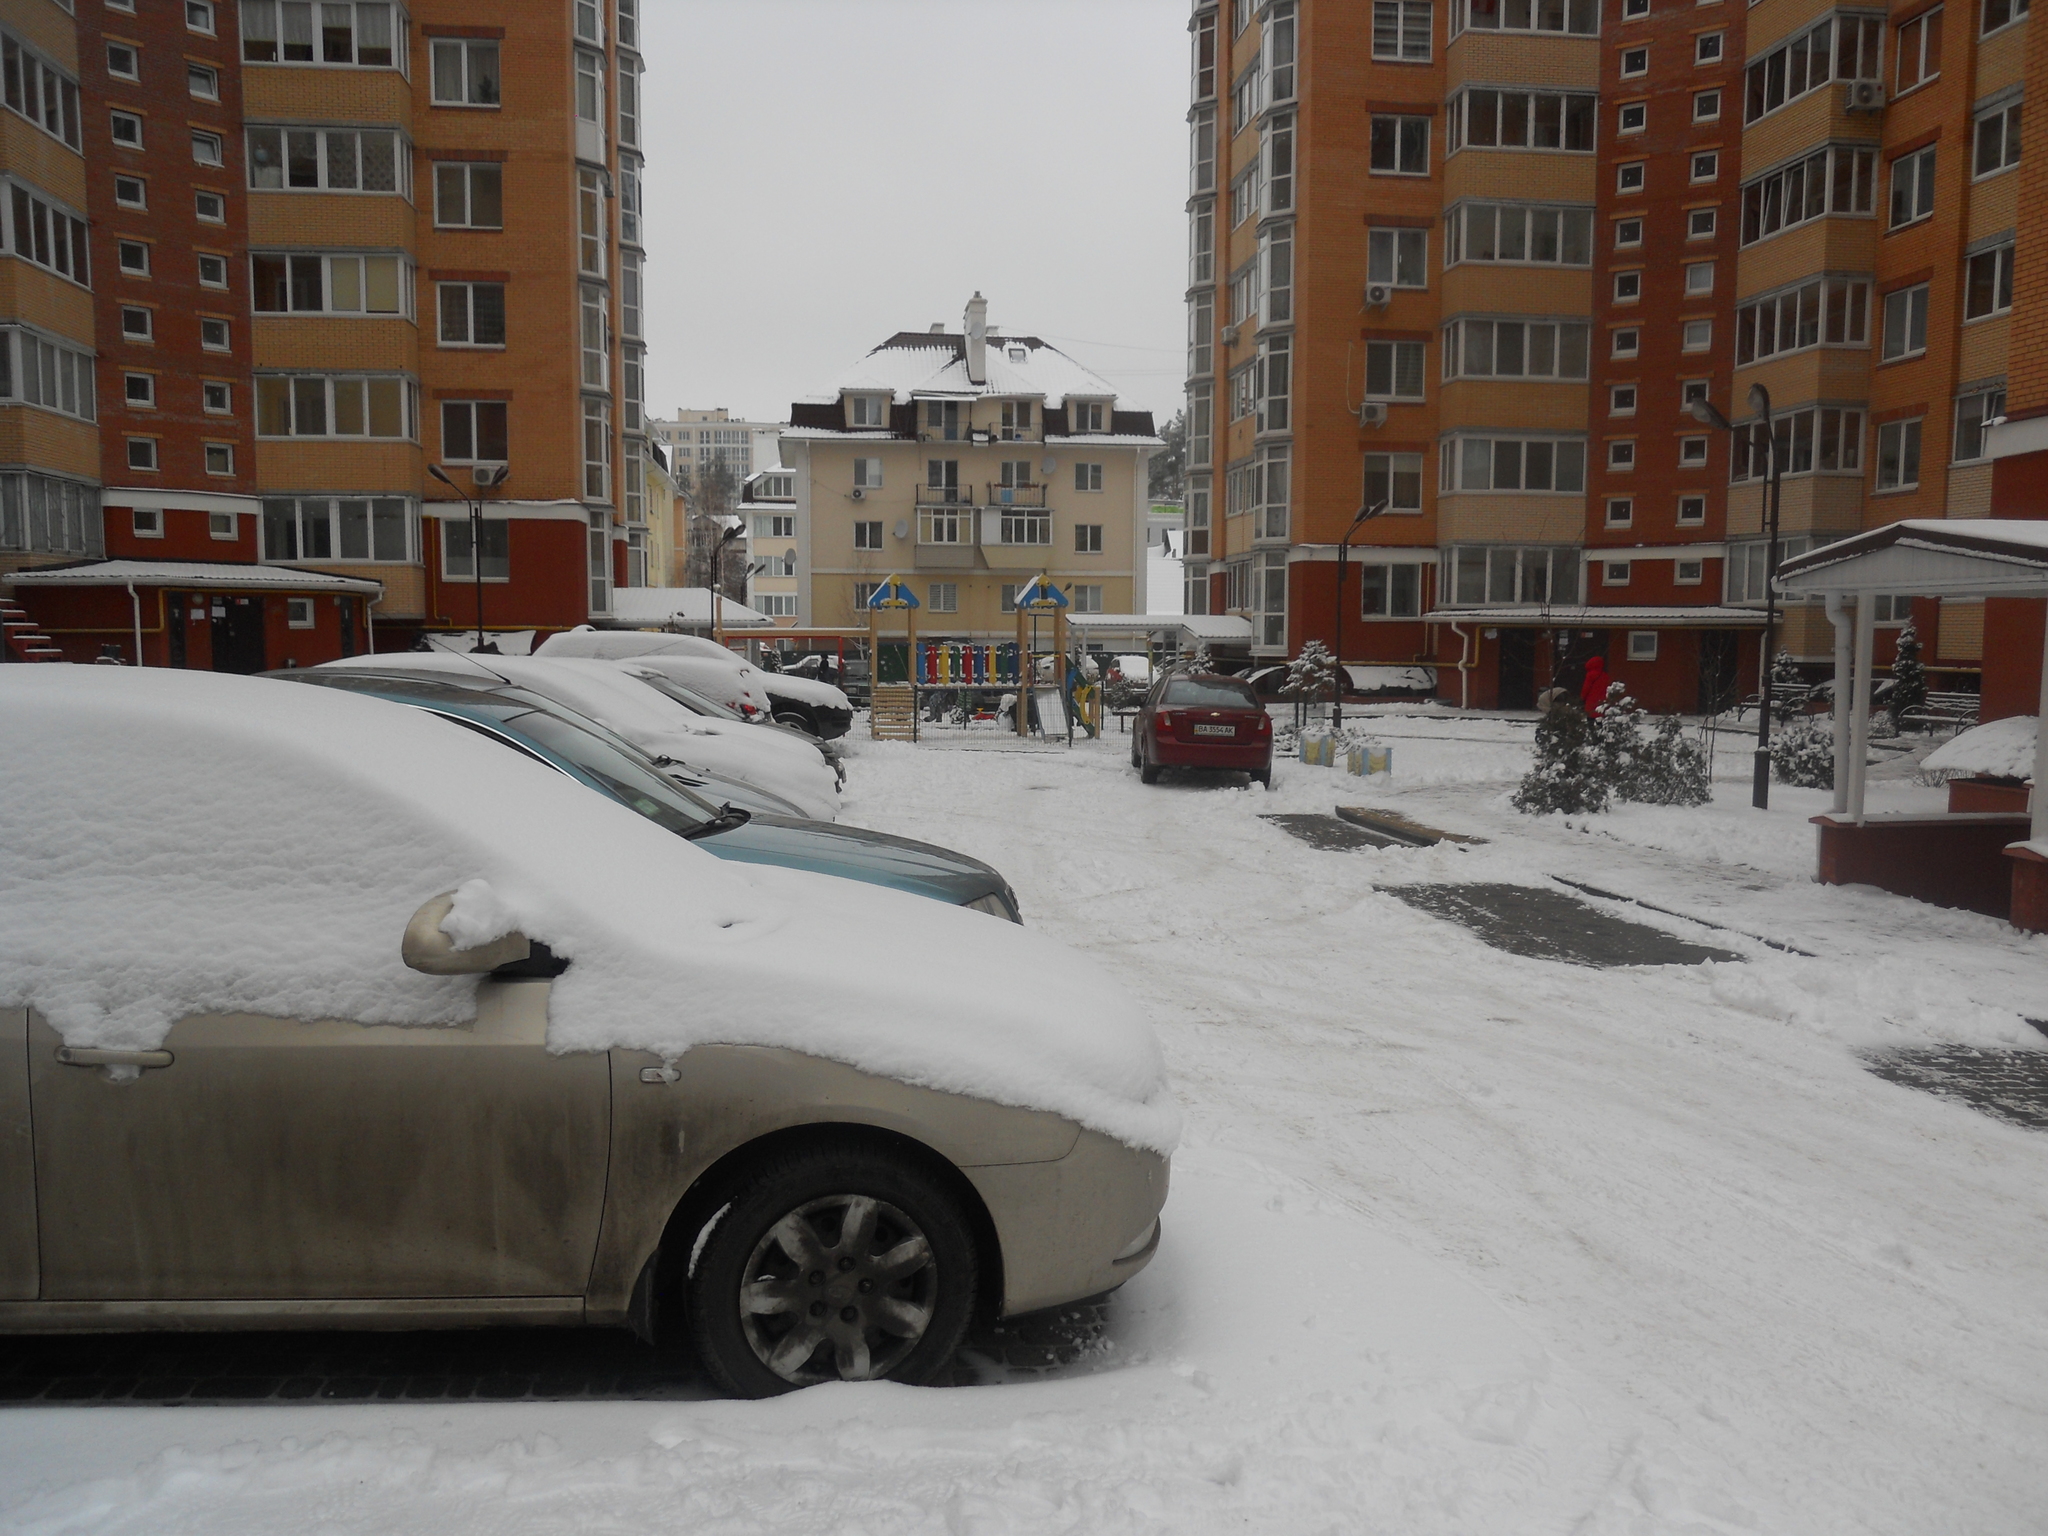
[2004, 749]
[176, 843]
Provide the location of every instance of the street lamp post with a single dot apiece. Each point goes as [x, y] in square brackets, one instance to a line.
[1760, 403]
[718, 580]
[1364, 515]
[483, 476]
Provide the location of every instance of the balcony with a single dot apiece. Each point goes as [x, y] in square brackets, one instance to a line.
[1015, 495]
[1016, 530]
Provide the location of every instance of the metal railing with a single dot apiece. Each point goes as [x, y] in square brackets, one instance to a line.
[1015, 495]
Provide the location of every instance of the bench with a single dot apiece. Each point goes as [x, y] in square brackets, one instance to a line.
[1957, 711]
[1789, 698]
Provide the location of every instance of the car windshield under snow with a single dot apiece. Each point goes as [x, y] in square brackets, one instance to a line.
[1208, 693]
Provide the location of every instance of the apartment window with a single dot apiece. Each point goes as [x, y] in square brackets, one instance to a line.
[1700, 223]
[1389, 591]
[1706, 106]
[338, 285]
[1513, 464]
[1087, 538]
[126, 128]
[202, 82]
[1835, 48]
[1912, 187]
[1692, 509]
[1628, 233]
[216, 397]
[1491, 119]
[1974, 412]
[1398, 257]
[1898, 455]
[210, 207]
[213, 270]
[867, 534]
[1826, 438]
[629, 199]
[1087, 415]
[1621, 399]
[590, 88]
[1699, 278]
[1246, 97]
[1400, 145]
[629, 100]
[1508, 573]
[2000, 13]
[1621, 511]
[131, 192]
[1515, 349]
[597, 448]
[469, 195]
[867, 474]
[1629, 177]
[1633, 117]
[1920, 50]
[1905, 323]
[1393, 370]
[1692, 452]
[220, 458]
[1571, 16]
[1395, 480]
[220, 525]
[199, 17]
[208, 149]
[1707, 47]
[1279, 163]
[944, 597]
[214, 335]
[1634, 62]
[300, 613]
[339, 405]
[1202, 152]
[1696, 336]
[39, 92]
[1401, 30]
[1625, 341]
[365, 32]
[1614, 573]
[124, 62]
[139, 390]
[1688, 573]
[1203, 63]
[590, 222]
[1086, 597]
[1087, 477]
[1628, 287]
[1706, 166]
[1275, 382]
[1834, 180]
[474, 432]
[1201, 414]
[1997, 141]
[472, 314]
[1276, 261]
[493, 537]
[1987, 287]
[1642, 645]
[1202, 244]
[137, 323]
[328, 160]
[1634, 10]
[465, 73]
[776, 527]
[1690, 390]
[1621, 454]
[596, 340]
[147, 522]
[132, 257]
[36, 371]
[1832, 311]
[142, 453]
[631, 320]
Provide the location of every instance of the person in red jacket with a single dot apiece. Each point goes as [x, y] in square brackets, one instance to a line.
[1593, 692]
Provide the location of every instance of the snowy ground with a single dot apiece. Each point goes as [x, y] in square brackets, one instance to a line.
[1459, 1242]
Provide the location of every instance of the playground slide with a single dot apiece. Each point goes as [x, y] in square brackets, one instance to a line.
[1052, 711]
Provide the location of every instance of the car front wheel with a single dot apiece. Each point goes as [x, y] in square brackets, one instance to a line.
[850, 1265]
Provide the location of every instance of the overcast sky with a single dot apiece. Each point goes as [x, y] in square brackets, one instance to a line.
[824, 173]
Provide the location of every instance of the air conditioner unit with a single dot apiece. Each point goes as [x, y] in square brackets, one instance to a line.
[1378, 295]
[488, 476]
[1866, 96]
[1230, 335]
[1372, 414]
[860, 493]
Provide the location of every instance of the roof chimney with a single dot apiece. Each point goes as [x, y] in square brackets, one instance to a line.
[977, 339]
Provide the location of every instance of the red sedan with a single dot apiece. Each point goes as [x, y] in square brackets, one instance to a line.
[1199, 720]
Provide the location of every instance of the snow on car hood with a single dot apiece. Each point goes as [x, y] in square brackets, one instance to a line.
[176, 842]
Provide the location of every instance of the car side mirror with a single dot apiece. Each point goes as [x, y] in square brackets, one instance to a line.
[427, 948]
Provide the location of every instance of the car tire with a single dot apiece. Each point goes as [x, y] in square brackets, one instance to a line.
[784, 715]
[1265, 778]
[1148, 771]
[770, 1275]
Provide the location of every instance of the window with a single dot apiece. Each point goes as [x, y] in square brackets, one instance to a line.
[1276, 261]
[1973, 413]
[629, 199]
[1518, 232]
[494, 539]
[139, 390]
[1700, 223]
[340, 285]
[1642, 645]
[1998, 141]
[1705, 167]
[220, 458]
[37, 371]
[1634, 10]
[1628, 233]
[1202, 244]
[1621, 400]
[1621, 511]
[285, 32]
[776, 526]
[1628, 286]
[137, 323]
[1394, 479]
[1835, 180]
[1706, 47]
[216, 397]
[126, 128]
[1491, 119]
[1898, 455]
[1203, 64]
[199, 17]
[1912, 187]
[469, 196]
[1244, 293]
[1400, 30]
[1633, 117]
[1393, 370]
[867, 474]
[1400, 145]
[207, 149]
[299, 613]
[1513, 464]
[202, 82]
[1197, 521]
[147, 522]
[1818, 438]
[341, 405]
[597, 447]
[1692, 452]
[474, 432]
[1273, 373]
[1696, 336]
[1625, 341]
[596, 340]
[36, 90]
[1835, 48]
[213, 270]
[213, 334]
[2000, 13]
[1699, 278]
[131, 192]
[1086, 597]
[1245, 98]
[1634, 62]
[124, 62]
[1920, 50]
[133, 257]
[1692, 509]
[1508, 573]
[1706, 106]
[472, 314]
[1621, 453]
[1905, 322]
[465, 72]
[1747, 561]
[590, 88]
[1515, 349]
[1390, 591]
[1087, 477]
[863, 591]
[220, 525]
[210, 207]
[1006, 596]
[1279, 163]
[1688, 573]
[629, 100]
[1987, 289]
[1575, 16]
[328, 160]
[1831, 311]
[142, 453]
[1398, 257]
[1614, 573]
[1087, 415]
[1202, 152]
[867, 534]
[1629, 177]
[943, 597]
[1087, 538]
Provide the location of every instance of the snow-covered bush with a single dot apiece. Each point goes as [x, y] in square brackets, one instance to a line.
[1570, 773]
[1311, 675]
[1785, 678]
[1805, 755]
[1909, 679]
[1581, 765]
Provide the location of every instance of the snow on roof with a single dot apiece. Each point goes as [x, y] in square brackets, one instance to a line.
[180, 843]
[1929, 557]
[910, 365]
[2002, 749]
[1226, 627]
[690, 606]
[1602, 615]
[195, 574]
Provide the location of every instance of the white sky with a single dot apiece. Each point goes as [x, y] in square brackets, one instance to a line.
[824, 173]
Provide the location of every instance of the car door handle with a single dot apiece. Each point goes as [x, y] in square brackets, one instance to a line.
[81, 1056]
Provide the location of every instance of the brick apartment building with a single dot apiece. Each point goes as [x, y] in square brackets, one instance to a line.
[1476, 260]
[288, 260]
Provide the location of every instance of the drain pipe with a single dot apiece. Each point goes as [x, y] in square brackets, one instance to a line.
[1839, 617]
[135, 610]
[1859, 722]
[1464, 678]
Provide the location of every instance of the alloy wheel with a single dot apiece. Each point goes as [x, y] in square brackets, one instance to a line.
[842, 1288]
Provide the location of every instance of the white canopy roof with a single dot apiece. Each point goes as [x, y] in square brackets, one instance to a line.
[195, 575]
[1930, 557]
[1224, 628]
[1603, 616]
[681, 607]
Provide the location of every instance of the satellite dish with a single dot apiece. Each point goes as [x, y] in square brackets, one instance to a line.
[1049, 465]
[902, 528]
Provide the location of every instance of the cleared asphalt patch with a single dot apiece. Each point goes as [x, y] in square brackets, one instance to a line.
[1542, 924]
[1331, 835]
[2011, 1085]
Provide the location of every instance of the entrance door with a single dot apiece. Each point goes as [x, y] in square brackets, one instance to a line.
[1517, 669]
[1719, 649]
[273, 1159]
[238, 635]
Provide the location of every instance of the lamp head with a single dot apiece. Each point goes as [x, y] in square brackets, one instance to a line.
[1759, 400]
[436, 471]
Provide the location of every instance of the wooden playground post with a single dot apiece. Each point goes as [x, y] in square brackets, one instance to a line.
[1023, 667]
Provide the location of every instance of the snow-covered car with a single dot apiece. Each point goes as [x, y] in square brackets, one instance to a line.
[817, 707]
[786, 765]
[316, 1012]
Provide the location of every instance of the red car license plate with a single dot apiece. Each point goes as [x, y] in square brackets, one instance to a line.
[1215, 730]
